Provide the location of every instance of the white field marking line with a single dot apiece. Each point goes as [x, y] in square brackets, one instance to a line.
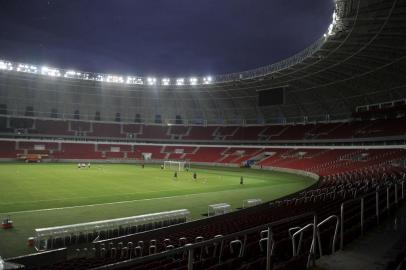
[94, 197]
[121, 202]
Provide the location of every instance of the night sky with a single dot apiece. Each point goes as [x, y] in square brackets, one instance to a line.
[159, 37]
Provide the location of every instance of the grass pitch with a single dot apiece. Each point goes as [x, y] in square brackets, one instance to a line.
[43, 195]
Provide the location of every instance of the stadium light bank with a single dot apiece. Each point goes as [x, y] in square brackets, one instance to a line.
[109, 78]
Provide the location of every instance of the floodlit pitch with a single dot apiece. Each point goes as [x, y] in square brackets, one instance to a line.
[45, 195]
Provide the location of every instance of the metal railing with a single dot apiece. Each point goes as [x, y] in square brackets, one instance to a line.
[378, 211]
[333, 245]
[190, 249]
[296, 248]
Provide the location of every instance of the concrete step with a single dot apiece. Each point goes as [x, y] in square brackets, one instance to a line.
[374, 250]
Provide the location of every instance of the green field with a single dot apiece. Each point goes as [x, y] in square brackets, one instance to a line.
[44, 195]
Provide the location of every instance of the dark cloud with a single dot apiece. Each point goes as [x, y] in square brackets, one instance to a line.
[160, 37]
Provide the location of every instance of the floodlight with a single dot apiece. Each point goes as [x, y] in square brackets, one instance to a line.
[180, 81]
[166, 81]
[130, 80]
[44, 70]
[53, 72]
[134, 80]
[207, 80]
[151, 81]
[6, 65]
[114, 79]
[32, 69]
[330, 31]
[100, 78]
[26, 68]
[70, 74]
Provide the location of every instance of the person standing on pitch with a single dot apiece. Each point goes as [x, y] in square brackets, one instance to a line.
[175, 175]
[241, 180]
[194, 176]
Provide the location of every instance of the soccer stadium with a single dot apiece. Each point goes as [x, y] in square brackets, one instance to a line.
[300, 164]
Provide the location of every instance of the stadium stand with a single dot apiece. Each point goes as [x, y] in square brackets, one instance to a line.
[8, 149]
[251, 133]
[77, 151]
[200, 133]
[371, 185]
[132, 129]
[179, 131]
[155, 132]
[321, 131]
[106, 130]
[323, 160]
[49, 127]
[80, 127]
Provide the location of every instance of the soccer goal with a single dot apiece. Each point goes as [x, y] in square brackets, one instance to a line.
[176, 165]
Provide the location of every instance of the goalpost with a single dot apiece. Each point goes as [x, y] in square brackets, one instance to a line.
[176, 165]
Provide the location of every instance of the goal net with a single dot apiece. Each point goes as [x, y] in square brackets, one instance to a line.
[175, 165]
